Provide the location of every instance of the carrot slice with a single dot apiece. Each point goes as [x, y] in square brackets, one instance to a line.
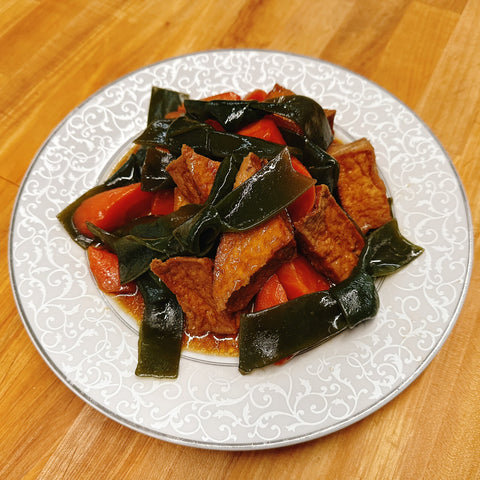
[272, 293]
[258, 94]
[278, 91]
[104, 267]
[163, 202]
[303, 204]
[265, 129]
[223, 96]
[112, 208]
[298, 277]
[215, 124]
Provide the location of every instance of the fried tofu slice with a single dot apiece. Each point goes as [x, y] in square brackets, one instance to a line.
[193, 174]
[178, 199]
[329, 238]
[250, 165]
[245, 260]
[191, 280]
[361, 190]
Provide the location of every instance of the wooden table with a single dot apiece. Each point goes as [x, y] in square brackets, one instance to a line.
[55, 54]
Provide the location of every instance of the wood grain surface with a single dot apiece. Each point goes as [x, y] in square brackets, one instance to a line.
[54, 54]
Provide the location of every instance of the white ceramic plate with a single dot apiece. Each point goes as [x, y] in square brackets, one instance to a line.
[93, 348]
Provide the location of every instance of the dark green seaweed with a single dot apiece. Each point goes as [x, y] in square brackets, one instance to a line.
[233, 115]
[389, 250]
[163, 101]
[309, 115]
[224, 179]
[204, 139]
[267, 336]
[159, 226]
[161, 330]
[321, 165]
[306, 113]
[357, 297]
[134, 257]
[155, 134]
[274, 334]
[262, 196]
[154, 175]
[129, 172]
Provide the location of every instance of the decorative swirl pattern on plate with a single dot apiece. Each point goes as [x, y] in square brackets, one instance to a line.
[211, 405]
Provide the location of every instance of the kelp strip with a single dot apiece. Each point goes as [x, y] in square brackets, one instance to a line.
[307, 114]
[161, 330]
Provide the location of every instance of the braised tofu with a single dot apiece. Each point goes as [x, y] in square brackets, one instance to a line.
[179, 199]
[361, 190]
[245, 260]
[191, 280]
[193, 174]
[329, 238]
[250, 165]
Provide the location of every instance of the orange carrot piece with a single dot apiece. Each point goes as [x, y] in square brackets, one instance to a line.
[113, 208]
[104, 267]
[163, 202]
[265, 129]
[298, 277]
[272, 293]
[303, 204]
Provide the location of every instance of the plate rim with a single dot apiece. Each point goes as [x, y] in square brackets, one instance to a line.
[266, 444]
